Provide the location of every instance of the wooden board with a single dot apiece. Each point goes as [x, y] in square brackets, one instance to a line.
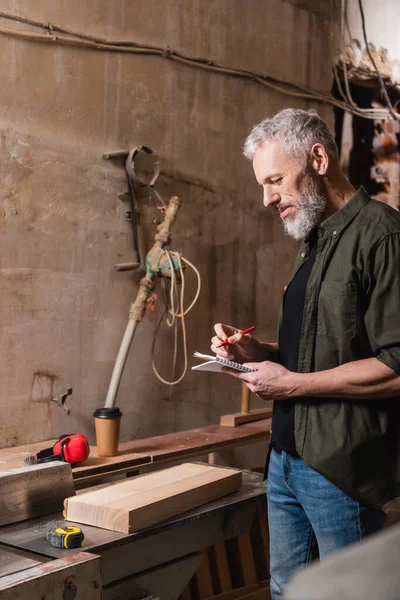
[254, 591]
[16, 455]
[222, 567]
[144, 501]
[97, 465]
[204, 578]
[183, 444]
[33, 491]
[236, 419]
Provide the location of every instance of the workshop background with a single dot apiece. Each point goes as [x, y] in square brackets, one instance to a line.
[63, 307]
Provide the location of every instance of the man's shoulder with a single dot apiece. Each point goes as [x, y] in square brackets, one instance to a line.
[379, 219]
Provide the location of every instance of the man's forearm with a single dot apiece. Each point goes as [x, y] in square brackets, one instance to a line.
[361, 380]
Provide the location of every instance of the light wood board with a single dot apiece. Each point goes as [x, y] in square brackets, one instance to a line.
[145, 501]
[236, 419]
[28, 492]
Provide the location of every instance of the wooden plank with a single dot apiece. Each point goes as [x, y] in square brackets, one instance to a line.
[247, 559]
[33, 491]
[223, 567]
[262, 519]
[236, 419]
[234, 562]
[186, 595]
[195, 441]
[254, 591]
[144, 501]
[16, 456]
[259, 552]
[98, 465]
[203, 577]
[245, 402]
[261, 594]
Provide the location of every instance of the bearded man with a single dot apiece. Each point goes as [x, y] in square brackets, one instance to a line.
[334, 374]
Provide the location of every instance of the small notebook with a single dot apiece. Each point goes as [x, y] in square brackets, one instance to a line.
[215, 363]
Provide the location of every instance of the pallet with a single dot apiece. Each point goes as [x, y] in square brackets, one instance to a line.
[237, 569]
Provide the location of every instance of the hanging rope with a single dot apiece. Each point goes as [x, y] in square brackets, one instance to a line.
[175, 310]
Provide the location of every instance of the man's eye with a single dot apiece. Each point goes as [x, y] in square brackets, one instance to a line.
[277, 181]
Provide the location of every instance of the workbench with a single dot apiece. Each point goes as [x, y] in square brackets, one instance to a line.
[159, 561]
[156, 562]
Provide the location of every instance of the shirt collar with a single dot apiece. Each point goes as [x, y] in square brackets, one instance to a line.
[338, 221]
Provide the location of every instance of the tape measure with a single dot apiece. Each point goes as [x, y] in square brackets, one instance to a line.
[66, 537]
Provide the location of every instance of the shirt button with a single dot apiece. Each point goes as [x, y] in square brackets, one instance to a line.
[303, 254]
[334, 232]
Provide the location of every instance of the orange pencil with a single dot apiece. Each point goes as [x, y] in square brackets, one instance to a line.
[244, 331]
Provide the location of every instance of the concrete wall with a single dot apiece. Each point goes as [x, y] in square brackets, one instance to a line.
[381, 24]
[63, 308]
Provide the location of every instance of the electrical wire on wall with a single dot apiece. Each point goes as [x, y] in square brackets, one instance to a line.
[372, 113]
[61, 35]
[174, 310]
[367, 113]
[380, 79]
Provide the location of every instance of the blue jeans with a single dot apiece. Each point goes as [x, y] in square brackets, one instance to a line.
[309, 517]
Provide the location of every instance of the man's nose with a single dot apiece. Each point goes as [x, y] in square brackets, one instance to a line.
[270, 198]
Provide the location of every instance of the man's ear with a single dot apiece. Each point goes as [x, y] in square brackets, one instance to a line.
[319, 159]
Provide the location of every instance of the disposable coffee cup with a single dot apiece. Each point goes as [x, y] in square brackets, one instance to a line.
[107, 422]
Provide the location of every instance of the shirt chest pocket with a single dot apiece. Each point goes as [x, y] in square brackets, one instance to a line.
[337, 310]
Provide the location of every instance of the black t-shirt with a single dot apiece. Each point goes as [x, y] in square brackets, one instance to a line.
[289, 343]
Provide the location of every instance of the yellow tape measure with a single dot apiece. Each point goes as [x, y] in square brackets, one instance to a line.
[66, 537]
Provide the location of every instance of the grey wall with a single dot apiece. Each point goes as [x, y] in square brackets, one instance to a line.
[63, 308]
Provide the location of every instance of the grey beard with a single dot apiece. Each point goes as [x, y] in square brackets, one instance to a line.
[309, 213]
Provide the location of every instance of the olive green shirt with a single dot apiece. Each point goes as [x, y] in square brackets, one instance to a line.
[352, 312]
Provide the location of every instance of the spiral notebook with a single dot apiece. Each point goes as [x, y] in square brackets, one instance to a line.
[215, 363]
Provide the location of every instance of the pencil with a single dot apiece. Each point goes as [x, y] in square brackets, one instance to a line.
[244, 331]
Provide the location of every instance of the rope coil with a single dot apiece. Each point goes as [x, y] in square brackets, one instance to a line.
[176, 310]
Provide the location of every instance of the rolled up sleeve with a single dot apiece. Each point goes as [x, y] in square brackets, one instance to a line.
[382, 317]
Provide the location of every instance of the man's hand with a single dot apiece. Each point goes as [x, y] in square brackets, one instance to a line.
[367, 379]
[241, 348]
[270, 381]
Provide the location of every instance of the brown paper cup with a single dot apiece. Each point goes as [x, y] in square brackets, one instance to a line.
[107, 423]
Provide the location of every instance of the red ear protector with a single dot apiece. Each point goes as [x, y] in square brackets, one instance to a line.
[72, 448]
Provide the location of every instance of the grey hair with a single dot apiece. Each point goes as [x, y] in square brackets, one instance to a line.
[298, 130]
